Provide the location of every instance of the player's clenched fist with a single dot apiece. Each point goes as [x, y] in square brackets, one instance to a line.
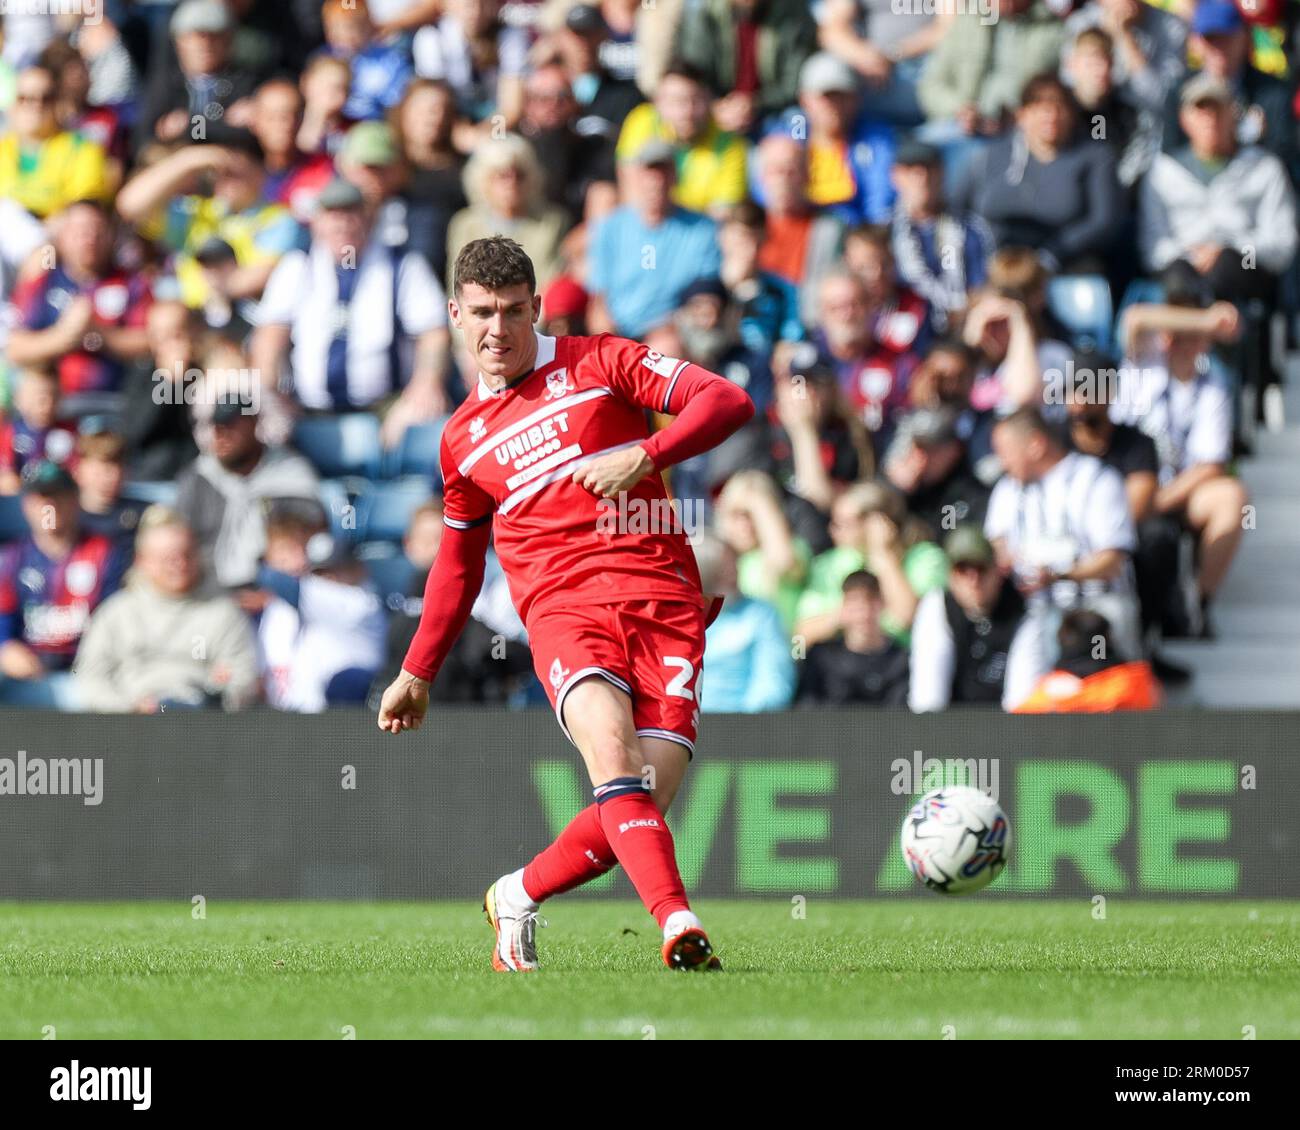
[404, 705]
[607, 475]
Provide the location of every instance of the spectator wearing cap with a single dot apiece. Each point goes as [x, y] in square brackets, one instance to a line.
[370, 159]
[43, 167]
[30, 431]
[1061, 524]
[887, 44]
[224, 493]
[1217, 210]
[505, 187]
[1263, 113]
[434, 190]
[643, 255]
[749, 55]
[860, 665]
[708, 322]
[802, 243]
[927, 462]
[571, 160]
[871, 530]
[772, 561]
[139, 655]
[83, 315]
[322, 632]
[1089, 678]
[746, 648]
[100, 472]
[1148, 46]
[564, 308]
[155, 412]
[940, 252]
[293, 178]
[482, 58]
[850, 151]
[50, 583]
[1174, 391]
[202, 84]
[710, 161]
[769, 306]
[162, 203]
[1045, 186]
[973, 643]
[600, 61]
[380, 70]
[375, 302]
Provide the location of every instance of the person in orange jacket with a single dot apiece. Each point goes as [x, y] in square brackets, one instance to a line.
[1087, 679]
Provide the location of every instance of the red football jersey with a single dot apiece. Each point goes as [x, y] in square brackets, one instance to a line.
[511, 455]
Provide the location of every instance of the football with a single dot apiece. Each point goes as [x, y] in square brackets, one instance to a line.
[955, 840]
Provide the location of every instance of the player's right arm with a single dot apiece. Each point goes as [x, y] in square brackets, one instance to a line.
[454, 582]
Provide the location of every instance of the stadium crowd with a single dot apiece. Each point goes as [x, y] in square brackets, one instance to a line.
[1001, 281]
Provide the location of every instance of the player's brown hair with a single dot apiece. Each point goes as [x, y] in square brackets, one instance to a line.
[494, 263]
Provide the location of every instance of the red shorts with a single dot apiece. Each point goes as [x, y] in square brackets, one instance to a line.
[652, 649]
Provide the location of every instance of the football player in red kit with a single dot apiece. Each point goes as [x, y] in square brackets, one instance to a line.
[545, 454]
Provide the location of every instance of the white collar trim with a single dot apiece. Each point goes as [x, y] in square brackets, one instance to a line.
[545, 355]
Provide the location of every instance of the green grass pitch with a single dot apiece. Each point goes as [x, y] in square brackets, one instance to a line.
[922, 969]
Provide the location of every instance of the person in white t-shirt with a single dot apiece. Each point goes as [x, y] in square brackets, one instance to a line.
[1172, 389]
[1060, 522]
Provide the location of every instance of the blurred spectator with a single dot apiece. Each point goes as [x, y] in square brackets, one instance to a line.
[160, 644]
[600, 61]
[100, 472]
[505, 187]
[749, 53]
[30, 433]
[769, 306]
[747, 652]
[1171, 389]
[42, 167]
[887, 44]
[1148, 48]
[23, 235]
[321, 635]
[564, 308]
[945, 379]
[167, 204]
[1217, 211]
[972, 642]
[771, 561]
[83, 315]
[941, 253]
[927, 462]
[202, 84]
[802, 243]
[871, 530]
[113, 77]
[900, 319]
[569, 159]
[710, 161]
[849, 150]
[380, 71]
[1089, 678]
[325, 84]
[434, 190]
[1043, 187]
[860, 665]
[482, 58]
[708, 322]
[155, 412]
[485, 663]
[1060, 522]
[294, 178]
[100, 124]
[644, 253]
[354, 359]
[50, 583]
[224, 493]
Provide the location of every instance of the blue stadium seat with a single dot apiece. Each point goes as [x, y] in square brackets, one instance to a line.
[340, 509]
[341, 445]
[1139, 290]
[162, 490]
[1082, 303]
[417, 452]
[391, 573]
[12, 523]
[384, 510]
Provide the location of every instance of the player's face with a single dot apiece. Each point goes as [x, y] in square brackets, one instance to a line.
[498, 327]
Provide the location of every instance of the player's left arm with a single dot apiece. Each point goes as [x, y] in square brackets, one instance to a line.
[708, 408]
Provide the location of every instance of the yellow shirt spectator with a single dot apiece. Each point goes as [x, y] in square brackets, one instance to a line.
[710, 171]
[48, 176]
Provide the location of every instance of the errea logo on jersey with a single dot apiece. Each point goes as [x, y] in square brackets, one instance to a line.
[656, 362]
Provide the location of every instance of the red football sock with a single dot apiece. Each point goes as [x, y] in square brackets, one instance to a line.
[640, 838]
[578, 854]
